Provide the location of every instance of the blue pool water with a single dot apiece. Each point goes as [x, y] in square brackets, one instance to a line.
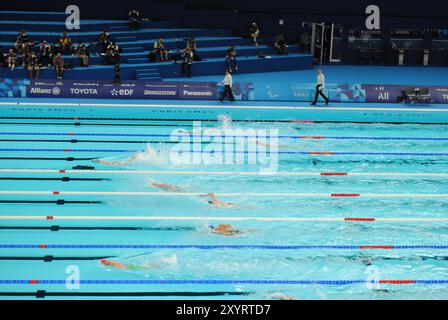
[397, 172]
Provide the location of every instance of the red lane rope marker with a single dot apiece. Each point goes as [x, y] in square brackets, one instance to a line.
[42, 246]
[50, 217]
[397, 281]
[56, 192]
[303, 121]
[345, 195]
[71, 133]
[377, 247]
[34, 281]
[61, 171]
[67, 150]
[359, 219]
[333, 173]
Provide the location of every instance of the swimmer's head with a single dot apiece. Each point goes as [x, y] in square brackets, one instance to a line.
[106, 262]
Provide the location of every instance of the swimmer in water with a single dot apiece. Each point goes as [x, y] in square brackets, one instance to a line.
[136, 157]
[224, 230]
[278, 296]
[165, 186]
[214, 201]
[163, 263]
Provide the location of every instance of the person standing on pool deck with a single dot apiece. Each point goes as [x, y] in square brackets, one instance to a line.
[227, 82]
[320, 85]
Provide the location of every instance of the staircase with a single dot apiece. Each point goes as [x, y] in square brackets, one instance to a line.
[148, 74]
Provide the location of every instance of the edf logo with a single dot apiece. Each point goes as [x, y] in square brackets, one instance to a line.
[73, 20]
[373, 20]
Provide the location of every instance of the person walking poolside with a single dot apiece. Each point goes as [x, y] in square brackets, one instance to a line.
[320, 86]
[227, 82]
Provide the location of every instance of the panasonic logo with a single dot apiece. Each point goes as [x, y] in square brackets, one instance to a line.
[197, 93]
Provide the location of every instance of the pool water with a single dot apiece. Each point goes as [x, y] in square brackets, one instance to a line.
[396, 174]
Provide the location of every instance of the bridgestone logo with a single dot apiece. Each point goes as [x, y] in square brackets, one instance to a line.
[160, 93]
[198, 93]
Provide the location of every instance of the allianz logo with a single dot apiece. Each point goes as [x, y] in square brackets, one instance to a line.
[54, 91]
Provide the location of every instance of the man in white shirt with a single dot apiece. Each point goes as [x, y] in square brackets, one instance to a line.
[227, 82]
[320, 85]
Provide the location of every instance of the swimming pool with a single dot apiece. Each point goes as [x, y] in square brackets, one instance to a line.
[353, 211]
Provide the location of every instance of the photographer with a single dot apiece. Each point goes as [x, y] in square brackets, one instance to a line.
[159, 47]
[58, 63]
[33, 66]
[187, 61]
[45, 54]
[254, 32]
[280, 45]
[82, 52]
[21, 39]
[104, 40]
[134, 20]
[65, 43]
[231, 63]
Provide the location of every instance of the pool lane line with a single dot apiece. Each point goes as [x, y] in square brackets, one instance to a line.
[63, 179]
[440, 154]
[255, 173]
[252, 194]
[314, 137]
[57, 202]
[48, 158]
[43, 294]
[59, 228]
[217, 218]
[78, 124]
[221, 282]
[216, 247]
[51, 258]
[219, 106]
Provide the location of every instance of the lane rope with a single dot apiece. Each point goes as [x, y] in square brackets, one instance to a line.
[214, 247]
[193, 218]
[256, 173]
[441, 154]
[252, 194]
[221, 282]
[71, 134]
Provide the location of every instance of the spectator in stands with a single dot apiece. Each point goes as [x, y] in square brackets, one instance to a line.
[65, 43]
[254, 32]
[11, 59]
[280, 45]
[231, 63]
[152, 56]
[117, 77]
[2, 59]
[21, 39]
[45, 54]
[113, 54]
[26, 53]
[187, 61]
[159, 48]
[134, 20]
[191, 44]
[82, 52]
[33, 66]
[58, 63]
[305, 41]
[227, 82]
[104, 40]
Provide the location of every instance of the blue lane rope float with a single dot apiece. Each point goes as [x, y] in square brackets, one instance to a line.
[221, 282]
[213, 247]
[442, 154]
[213, 136]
